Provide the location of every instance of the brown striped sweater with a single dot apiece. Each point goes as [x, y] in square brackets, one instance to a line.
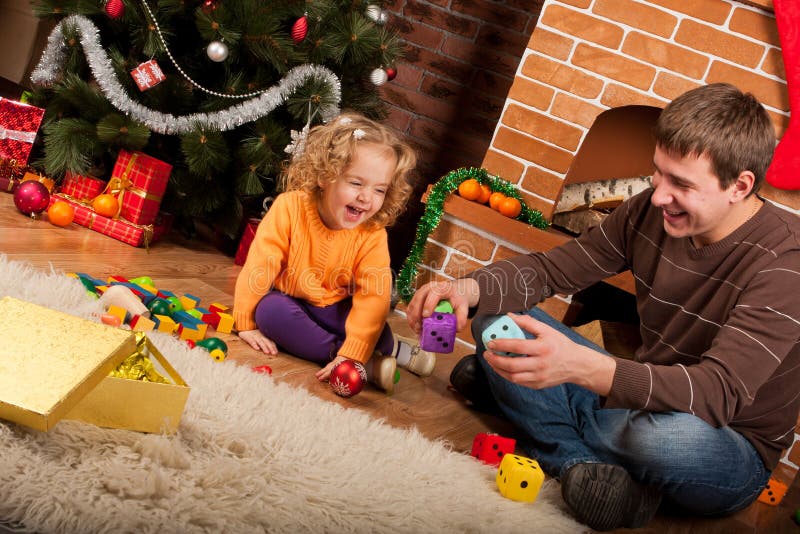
[720, 324]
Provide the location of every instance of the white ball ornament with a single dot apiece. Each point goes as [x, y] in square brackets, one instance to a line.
[375, 14]
[217, 51]
[378, 77]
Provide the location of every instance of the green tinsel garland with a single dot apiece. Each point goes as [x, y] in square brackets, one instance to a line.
[433, 214]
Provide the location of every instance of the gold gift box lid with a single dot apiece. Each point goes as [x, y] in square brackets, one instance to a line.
[50, 360]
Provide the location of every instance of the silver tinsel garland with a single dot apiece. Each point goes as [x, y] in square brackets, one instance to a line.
[50, 68]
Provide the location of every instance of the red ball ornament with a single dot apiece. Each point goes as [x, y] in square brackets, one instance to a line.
[348, 378]
[209, 5]
[115, 9]
[391, 73]
[300, 29]
[31, 197]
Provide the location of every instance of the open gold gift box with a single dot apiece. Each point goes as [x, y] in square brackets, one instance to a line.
[56, 366]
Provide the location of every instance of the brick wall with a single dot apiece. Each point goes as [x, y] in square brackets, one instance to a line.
[461, 57]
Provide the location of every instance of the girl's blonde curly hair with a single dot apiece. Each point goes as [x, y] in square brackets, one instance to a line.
[329, 149]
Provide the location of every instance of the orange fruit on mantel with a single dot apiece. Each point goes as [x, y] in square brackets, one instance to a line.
[486, 192]
[495, 199]
[470, 189]
[510, 207]
[106, 205]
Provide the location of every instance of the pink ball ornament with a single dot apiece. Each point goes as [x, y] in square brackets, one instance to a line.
[31, 197]
[348, 378]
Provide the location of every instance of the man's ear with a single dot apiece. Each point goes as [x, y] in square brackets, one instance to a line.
[742, 186]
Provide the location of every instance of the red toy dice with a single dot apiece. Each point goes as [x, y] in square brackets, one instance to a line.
[490, 448]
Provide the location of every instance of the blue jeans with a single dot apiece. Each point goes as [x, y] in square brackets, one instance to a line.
[701, 469]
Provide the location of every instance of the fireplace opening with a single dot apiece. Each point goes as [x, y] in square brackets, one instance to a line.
[614, 162]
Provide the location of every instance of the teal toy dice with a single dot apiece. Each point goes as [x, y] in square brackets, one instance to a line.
[502, 328]
[519, 478]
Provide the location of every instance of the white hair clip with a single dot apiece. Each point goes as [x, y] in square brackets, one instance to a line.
[345, 120]
[358, 133]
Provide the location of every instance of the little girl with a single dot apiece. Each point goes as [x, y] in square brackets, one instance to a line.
[317, 281]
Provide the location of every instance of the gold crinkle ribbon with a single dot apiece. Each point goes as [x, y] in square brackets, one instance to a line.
[138, 366]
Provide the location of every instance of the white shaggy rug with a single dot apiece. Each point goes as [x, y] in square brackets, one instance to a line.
[251, 455]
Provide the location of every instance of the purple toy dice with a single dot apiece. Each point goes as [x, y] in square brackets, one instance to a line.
[438, 332]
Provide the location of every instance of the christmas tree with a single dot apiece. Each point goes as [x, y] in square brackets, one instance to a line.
[217, 88]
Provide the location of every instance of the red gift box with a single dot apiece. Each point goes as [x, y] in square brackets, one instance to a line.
[139, 181]
[81, 187]
[18, 126]
[246, 241]
[127, 232]
[8, 184]
[148, 75]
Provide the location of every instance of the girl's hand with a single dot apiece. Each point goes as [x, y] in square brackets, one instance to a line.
[325, 373]
[259, 341]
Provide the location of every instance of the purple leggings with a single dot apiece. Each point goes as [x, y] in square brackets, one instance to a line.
[309, 332]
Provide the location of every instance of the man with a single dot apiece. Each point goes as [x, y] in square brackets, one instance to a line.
[701, 414]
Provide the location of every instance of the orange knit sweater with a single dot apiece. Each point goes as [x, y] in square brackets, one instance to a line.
[295, 253]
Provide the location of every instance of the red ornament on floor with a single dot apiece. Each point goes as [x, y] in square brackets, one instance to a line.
[348, 378]
[31, 197]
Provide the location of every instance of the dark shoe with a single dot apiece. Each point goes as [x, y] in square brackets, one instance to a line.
[605, 497]
[469, 379]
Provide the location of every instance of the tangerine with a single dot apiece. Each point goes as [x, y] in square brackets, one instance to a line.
[510, 207]
[495, 199]
[470, 189]
[61, 213]
[485, 194]
[106, 205]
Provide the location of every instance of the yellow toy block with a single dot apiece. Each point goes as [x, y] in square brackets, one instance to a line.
[189, 301]
[166, 324]
[142, 324]
[187, 332]
[118, 311]
[225, 323]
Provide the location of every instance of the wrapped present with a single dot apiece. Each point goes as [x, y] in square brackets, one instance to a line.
[58, 366]
[133, 234]
[246, 240]
[18, 126]
[148, 75]
[81, 187]
[139, 181]
[11, 174]
[42, 179]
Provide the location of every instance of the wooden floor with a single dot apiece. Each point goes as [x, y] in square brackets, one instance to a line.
[195, 267]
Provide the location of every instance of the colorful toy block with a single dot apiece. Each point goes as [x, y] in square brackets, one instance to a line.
[119, 312]
[189, 301]
[140, 323]
[225, 324]
[439, 330]
[217, 307]
[519, 478]
[165, 324]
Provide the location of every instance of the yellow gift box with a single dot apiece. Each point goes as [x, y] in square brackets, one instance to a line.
[57, 366]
